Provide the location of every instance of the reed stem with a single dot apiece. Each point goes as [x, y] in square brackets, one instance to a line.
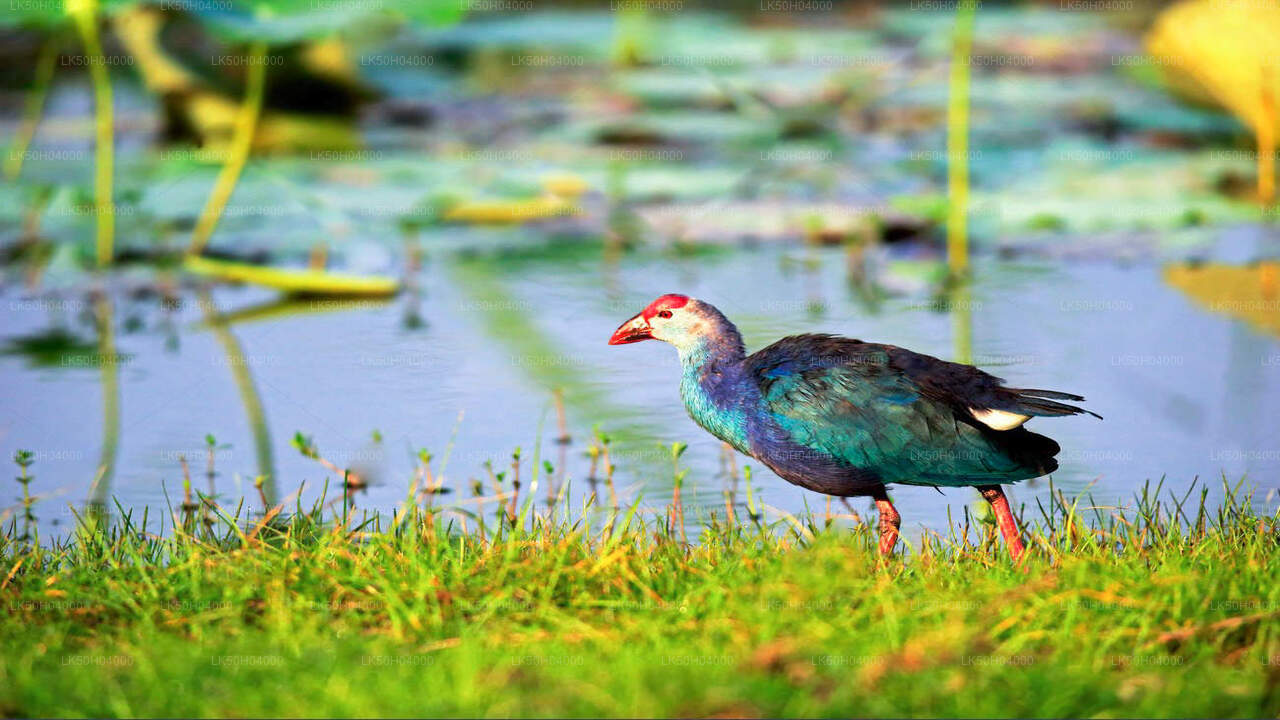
[84, 13]
[241, 144]
[958, 141]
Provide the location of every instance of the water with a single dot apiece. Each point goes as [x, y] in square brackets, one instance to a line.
[467, 366]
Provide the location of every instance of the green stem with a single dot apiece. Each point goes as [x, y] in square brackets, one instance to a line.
[33, 108]
[28, 517]
[241, 143]
[958, 141]
[86, 22]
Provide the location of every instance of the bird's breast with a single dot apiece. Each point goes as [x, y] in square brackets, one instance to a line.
[715, 408]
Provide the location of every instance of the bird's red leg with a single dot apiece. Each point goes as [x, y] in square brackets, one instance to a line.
[890, 521]
[1004, 518]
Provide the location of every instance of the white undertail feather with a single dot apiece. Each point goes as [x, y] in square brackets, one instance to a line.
[998, 419]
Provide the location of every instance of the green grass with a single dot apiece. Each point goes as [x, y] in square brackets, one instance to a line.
[1158, 609]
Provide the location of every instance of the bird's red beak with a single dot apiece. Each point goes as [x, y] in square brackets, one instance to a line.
[633, 330]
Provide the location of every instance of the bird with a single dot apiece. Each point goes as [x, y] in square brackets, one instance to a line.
[847, 418]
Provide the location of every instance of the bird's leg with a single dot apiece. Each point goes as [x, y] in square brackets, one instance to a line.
[890, 521]
[1004, 518]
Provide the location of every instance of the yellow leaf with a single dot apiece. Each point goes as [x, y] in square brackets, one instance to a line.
[564, 184]
[495, 212]
[293, 281]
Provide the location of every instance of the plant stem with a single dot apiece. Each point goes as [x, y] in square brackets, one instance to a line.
[24, 460]
[515, 486]
[86, 21]
[608, 476]
[958, 141]
[33, 108]
[563, 424]
[241, 143]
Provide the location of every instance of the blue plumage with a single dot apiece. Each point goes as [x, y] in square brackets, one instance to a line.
[845, 417]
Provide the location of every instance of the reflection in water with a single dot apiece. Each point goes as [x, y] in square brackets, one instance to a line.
[412, 318]
[960, 302]
[861, 273]
[813, 281]
[109, 367]
[287, 307]
[1250, 292]
[249, 396]
[221, 324]
[502, 318]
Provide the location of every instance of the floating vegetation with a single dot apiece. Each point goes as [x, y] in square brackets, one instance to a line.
[502, 212]
[294, 281]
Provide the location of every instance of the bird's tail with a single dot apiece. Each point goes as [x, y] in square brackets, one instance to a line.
[1045, 402]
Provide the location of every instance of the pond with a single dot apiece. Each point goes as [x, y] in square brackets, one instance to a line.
[467, 368]
[1119, 255]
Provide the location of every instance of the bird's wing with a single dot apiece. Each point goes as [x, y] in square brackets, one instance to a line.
[907, 415]
[979, 394]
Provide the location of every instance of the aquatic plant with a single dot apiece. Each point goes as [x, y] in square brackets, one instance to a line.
[238, 154]
[560, 194]
[1226, 53]
[318, 282]
[84, 15]
[24, 459]
[292, 280]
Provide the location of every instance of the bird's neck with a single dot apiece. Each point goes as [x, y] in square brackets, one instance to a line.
[722, 348]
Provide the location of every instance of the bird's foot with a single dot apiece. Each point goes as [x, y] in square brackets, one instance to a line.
[994, 494]
[890, 521]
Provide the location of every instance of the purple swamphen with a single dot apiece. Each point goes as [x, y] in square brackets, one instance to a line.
[846, 417]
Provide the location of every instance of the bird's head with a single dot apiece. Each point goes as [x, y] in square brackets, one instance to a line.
[677, 319]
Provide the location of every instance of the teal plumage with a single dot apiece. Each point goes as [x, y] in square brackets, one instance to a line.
[843, 417]
[857, 405]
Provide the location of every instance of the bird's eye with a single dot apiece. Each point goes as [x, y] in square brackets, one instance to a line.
[664, 314]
